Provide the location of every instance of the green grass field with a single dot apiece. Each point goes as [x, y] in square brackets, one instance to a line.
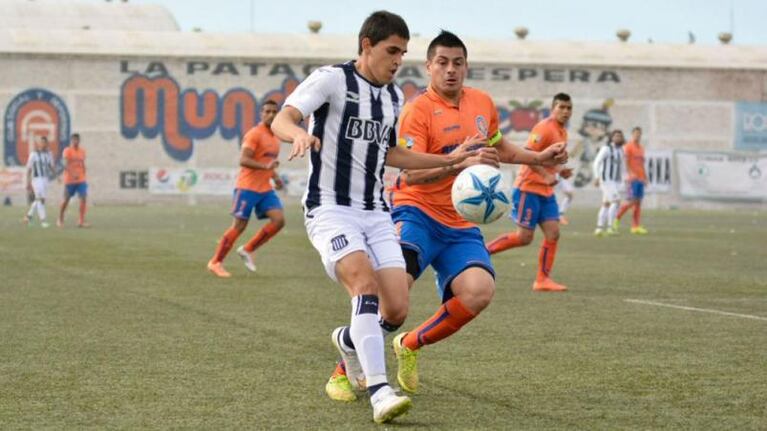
[120, 327]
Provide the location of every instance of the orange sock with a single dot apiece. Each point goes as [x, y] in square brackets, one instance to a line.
[450, 317]
[340, 369]
[82, 211]
[624, 208]
[262, 236]
[225, 244]
[637, 214]
[504, 242]
[546, 258]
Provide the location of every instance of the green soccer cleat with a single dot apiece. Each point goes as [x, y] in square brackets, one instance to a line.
[639, 230]
[616, 224]
[339, 388]
[407, 365]
[612, 231]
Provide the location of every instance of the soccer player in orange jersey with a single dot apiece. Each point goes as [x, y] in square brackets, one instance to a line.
[446, 117]
[74, 180]
[637, 177]
[253, 192]
[533, 198]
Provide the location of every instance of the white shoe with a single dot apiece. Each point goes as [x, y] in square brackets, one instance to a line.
[387, 405]
[353, 367]
[44, 225]
[599, 232]
[247, 259]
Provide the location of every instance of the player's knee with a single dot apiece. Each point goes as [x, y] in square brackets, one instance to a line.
[552, 235]
[278, 221]
[480, 297]
[526, 236]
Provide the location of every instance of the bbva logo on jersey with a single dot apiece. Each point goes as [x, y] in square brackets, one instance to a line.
[367, 130]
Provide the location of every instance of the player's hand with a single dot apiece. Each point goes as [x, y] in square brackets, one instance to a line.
[467, 148]
[272, 164]
[278, 183]
[566, 173]
[483, 156]
[302, 143]
[29, 188]
[555, 154]
[550, 180]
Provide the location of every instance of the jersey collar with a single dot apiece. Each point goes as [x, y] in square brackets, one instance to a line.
[432, 94]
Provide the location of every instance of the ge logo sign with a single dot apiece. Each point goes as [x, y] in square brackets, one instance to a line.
[754, 122]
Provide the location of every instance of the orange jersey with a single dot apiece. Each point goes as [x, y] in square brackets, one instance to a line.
[266, 147]
[74, 160]
[635, 161]
[543, 135]
[430, 124]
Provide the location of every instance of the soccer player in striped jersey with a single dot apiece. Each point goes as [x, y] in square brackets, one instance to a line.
[609, 168]
[533, 197]
[40, 169]
[74, 180]
[353, 110]
[253, 193]
[635, 160]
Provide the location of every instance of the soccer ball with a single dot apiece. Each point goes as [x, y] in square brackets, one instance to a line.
[479, 194]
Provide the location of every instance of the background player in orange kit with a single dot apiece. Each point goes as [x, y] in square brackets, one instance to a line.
[253, 192]
[533, 198]
[74, 180]
[637, 177]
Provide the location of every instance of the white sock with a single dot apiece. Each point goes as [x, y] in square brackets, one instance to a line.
[368, 340]
[612, 213]
[565, 205]
[602, 217]
[32, 209]
[41, 210]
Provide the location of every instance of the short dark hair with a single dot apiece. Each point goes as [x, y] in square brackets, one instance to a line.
[560, 97]
[270, 102]
[380, 25]
[44, 138]
[75, 135]
[636, 129]
[448, 40]
[614, 132]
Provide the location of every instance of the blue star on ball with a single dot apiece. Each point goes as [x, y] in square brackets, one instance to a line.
[488, 194]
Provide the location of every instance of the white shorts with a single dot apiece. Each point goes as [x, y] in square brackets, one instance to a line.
[610, 192]
[40, 187]
[336, 231]
[565, 185]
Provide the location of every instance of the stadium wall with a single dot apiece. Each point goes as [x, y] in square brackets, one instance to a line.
[139, 112]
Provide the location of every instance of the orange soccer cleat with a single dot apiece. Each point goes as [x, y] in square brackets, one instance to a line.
[218, 269]
[548, 285]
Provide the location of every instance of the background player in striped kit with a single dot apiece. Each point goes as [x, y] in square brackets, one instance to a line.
[352, 134]
[40, 168]
[637, 178]
[253, 193]
[609, 168]
[74, 180]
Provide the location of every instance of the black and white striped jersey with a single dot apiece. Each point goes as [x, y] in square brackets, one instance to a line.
[40, 163]
[609, 164]
[355, 120]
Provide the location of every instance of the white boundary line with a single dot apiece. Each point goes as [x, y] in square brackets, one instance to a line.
[702, 310]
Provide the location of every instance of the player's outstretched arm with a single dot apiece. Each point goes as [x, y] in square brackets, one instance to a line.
[553, 155]
[286, 127]
[401, 157]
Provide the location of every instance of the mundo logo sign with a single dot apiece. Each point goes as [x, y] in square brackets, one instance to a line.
[158, 106]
